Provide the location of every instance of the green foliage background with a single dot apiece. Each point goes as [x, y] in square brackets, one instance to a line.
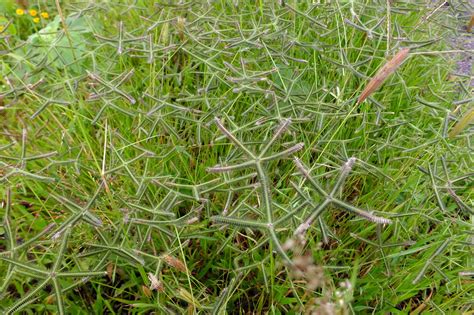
[108, 132]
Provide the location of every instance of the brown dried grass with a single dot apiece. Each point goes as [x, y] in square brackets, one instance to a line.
[390, 67]
[470, 24]
[174, 263]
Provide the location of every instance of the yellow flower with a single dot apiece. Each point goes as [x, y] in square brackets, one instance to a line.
[20, 11]
[36, 20]
[1, 28]
[45, 15]
[33, 12]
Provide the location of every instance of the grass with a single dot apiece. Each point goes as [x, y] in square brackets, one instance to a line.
[213, 157]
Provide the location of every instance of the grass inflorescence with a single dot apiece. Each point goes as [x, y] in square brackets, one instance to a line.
[234, 157]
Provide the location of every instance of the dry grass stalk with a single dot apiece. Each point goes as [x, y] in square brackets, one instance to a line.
[383, 73]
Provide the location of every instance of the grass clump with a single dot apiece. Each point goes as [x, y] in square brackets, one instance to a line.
[224, 157]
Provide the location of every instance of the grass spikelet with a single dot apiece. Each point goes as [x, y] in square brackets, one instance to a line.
[155, 284]
[174, 262]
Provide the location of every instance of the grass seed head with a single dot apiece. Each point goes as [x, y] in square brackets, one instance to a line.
[174, 263]
[155, 284]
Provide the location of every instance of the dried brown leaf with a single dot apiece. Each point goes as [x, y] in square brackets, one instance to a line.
[470, 24]
[387, 69]
[110, 270]
[23, 3]
[146, 291]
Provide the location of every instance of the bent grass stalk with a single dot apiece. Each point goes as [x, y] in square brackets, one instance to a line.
[430, 260]
[330, 199]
